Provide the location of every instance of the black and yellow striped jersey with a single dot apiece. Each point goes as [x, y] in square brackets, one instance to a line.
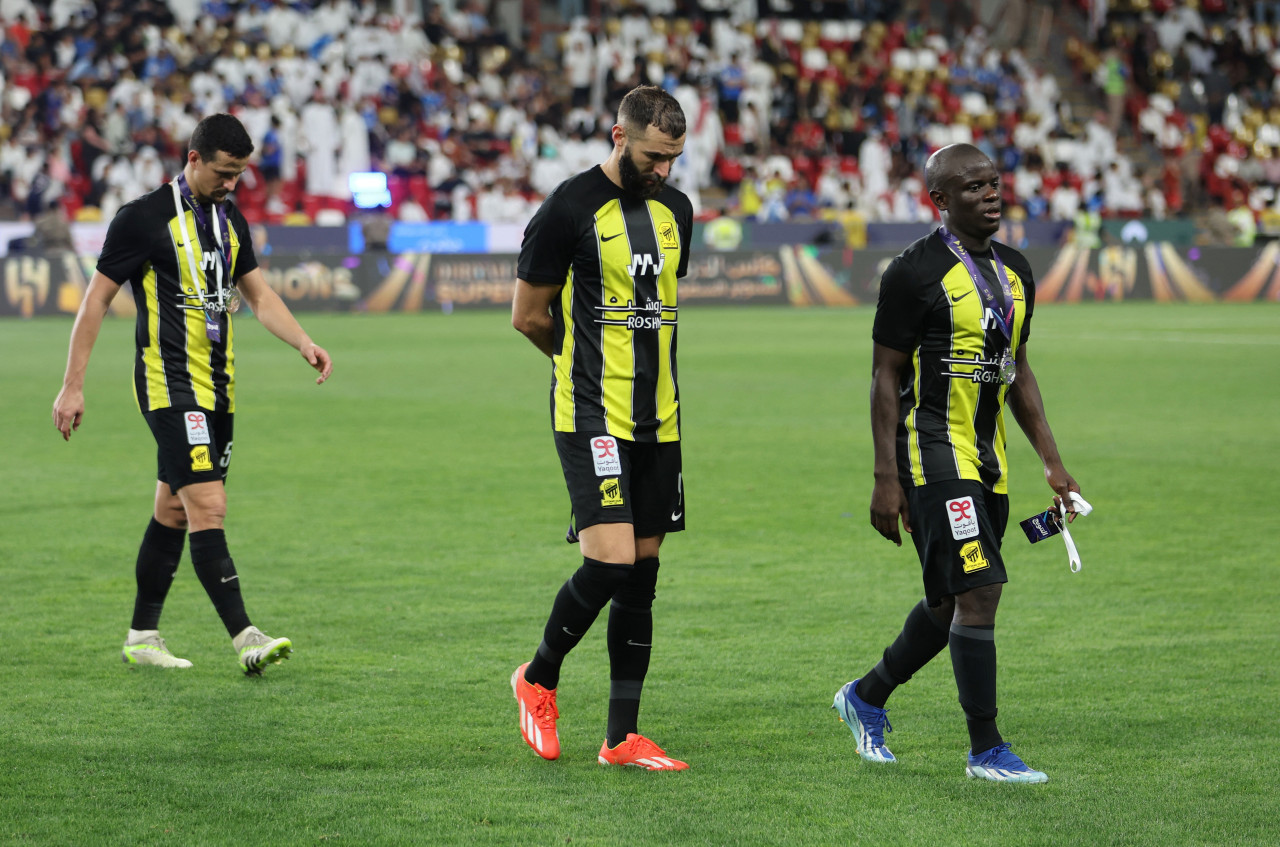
[176, 365]
[951, 409]
[618, 258]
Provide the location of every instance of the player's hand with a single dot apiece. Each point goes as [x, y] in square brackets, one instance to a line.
[888, 502]
[1062, 484]
[68, 410]
[318, 358]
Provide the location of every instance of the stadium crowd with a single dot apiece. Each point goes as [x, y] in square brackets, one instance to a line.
[830, 110]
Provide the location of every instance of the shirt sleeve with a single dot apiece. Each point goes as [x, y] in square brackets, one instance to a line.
[547, 250]
[684, 219]
[246, 259]
[900, 310]
[127, 246]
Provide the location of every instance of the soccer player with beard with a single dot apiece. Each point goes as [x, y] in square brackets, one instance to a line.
[950, 349]
[596, 292]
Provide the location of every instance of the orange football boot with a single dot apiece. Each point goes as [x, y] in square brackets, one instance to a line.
[538, 715]
[639, 752]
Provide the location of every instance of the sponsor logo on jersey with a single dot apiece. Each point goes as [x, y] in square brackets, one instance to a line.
[963, 517]
[610, 493]
[197, 427]
[984, 370]
[200, 459]
[645, 264]
[972, 558]
[650, 314]
[604, 455]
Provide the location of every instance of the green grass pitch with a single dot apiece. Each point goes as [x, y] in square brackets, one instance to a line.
[404, 525]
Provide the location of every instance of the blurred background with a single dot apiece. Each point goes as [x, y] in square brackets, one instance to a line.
[437, 128]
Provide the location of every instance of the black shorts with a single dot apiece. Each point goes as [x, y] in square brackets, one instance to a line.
[615, 481]
[192, 445]
[957, 527]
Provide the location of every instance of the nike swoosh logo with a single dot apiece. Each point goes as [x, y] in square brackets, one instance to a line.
[605, 238]
[226, 579]
[635, 644]
[960, 297]
[675, 516]
[571, 634]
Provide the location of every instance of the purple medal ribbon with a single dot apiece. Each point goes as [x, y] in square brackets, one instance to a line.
[212, 324]
[1003, 321]
[224, 249]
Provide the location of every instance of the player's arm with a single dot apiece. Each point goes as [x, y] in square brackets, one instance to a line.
[1028, 410]
[68, 407]
[888, 500]
[272, 313]
[531, 313]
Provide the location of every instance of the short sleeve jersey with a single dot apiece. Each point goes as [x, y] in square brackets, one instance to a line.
[617, 258]
[951, 402]
[176, 364]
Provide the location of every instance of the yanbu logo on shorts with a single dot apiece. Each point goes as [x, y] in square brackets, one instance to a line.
[963, 518]
[610, 493]
[667, 236]
[200, 459]
[971, 556]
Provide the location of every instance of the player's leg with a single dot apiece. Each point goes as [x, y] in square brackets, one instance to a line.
[630, 640]
[608, 556]
[162, 543]
[974, 573]
[924, 634]
[602, 510]
[158, 557]
[657, 494]
[970, 567]
[861, 703]
[197, 456]
[157, 563]
[973, 659]
[206, 505]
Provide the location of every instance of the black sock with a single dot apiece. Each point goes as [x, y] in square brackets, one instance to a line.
[158, 558]
[923, 636]
[218, 575]
[630, 641]
[580, 600]
[973, 657]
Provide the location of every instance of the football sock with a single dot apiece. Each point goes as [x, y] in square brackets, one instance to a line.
[158, 558]
[218, 575]
[576, 607]
[630, 641]
[923, 636]
[973, 657]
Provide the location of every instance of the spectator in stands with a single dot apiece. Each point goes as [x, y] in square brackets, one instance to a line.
[837, 88]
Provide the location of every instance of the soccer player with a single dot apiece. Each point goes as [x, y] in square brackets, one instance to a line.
[950, 348]
[188, 255]
[596, 292]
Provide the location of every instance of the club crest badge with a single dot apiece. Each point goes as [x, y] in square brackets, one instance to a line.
[610, 493]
